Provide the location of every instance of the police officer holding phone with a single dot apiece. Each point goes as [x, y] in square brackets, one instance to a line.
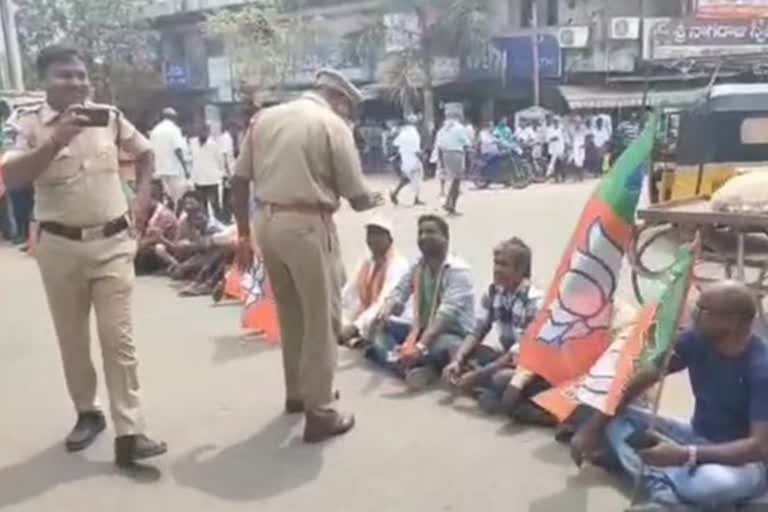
[68, 148]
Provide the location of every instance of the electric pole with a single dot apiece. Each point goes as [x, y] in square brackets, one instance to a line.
[535, 53]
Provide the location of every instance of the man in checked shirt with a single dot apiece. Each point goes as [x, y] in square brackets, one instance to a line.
[510, 304]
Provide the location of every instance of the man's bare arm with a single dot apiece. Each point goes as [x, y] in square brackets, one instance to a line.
[241, 192]
[738, 453]
[145, 171]
[180, 156]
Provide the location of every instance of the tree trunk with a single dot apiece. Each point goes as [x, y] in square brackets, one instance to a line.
[428, 91]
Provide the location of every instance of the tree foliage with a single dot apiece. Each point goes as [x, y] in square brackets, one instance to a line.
[267, 43]
[115, 39]
[430, 29]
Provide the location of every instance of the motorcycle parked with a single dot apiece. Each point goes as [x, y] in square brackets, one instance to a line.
[507, 167]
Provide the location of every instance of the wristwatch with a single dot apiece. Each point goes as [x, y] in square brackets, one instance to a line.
[693, 457]
[422, 348]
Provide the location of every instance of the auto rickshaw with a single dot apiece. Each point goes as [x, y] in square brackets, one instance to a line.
[723, 133]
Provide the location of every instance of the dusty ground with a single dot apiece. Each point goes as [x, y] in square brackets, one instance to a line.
[217, 400]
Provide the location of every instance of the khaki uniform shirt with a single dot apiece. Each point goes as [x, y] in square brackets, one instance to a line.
[301, 153]
[81, 187]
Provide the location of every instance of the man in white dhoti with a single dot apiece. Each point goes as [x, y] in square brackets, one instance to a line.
[408, 144]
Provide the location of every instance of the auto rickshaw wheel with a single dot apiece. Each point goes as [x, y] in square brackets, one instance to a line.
[643, 239]
[705, 271]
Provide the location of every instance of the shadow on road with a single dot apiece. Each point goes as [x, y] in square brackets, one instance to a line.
[238, 346]
[268, 464]
[575, 496]
[53, 467]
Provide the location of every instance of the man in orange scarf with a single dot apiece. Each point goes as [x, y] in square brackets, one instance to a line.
[375, 278]
[440, 286]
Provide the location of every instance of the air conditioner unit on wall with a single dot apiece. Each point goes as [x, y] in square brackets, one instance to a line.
[625, 28]
[574, 37]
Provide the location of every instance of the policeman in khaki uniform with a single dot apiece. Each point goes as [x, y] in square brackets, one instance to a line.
[301, 158]
[86, 246]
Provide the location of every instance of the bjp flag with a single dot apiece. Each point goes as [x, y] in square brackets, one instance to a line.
[648, 345]
[572, 330]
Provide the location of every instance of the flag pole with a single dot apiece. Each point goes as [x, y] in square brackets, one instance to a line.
[656, 404]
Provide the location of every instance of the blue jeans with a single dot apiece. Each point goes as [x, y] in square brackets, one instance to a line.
[395, 332]
[708, 485]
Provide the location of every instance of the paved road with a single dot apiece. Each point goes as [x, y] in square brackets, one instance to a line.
[217, 399]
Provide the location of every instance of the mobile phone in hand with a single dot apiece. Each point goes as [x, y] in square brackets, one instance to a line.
[642, 440]
[95, 117]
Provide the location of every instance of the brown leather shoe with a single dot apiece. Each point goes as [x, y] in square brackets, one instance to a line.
[324, 424]
[294, 406]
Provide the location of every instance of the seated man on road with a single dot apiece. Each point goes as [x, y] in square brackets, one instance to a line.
[510, 304]
[161, 229]
[510, 391]
[194, 246]
[375, 278]
[440, 286]
[718, 459]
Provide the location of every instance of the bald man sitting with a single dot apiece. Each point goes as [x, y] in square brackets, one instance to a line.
[717, 459]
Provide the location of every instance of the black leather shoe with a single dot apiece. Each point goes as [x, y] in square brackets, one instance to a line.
[129, 449]
[89, 425]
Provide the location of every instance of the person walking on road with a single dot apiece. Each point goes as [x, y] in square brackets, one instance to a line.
[452, 145]
[301, 158]
[408, 144]
[86, 248]
[169, 146]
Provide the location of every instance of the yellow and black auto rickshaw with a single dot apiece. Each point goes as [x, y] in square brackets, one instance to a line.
[723, 133]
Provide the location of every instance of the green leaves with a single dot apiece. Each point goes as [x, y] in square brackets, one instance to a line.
[111, 33]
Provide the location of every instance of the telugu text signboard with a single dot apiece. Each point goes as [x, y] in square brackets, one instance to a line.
[691, 38]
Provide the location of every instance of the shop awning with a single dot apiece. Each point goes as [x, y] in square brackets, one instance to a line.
[580, 97]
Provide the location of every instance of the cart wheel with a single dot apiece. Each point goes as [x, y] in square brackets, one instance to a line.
[648, 266]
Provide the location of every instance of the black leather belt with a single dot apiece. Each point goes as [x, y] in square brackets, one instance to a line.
[107, 230]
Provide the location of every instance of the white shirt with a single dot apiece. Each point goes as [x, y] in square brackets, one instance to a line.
[350, 296]
[227, 147]
[207, 162]
[452, 137]
[601, 136]
[556, 140]
[408, 144]
[488, 143]
[166, 138]
[470, 132]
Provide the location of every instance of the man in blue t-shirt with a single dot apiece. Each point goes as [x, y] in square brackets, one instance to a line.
[718, 459]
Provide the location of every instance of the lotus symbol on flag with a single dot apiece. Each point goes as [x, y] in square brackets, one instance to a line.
[584, 299]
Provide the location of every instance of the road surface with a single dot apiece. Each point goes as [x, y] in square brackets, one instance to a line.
[217, 399]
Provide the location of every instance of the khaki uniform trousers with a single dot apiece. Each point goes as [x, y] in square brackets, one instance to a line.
[302, 258]
[97, 274]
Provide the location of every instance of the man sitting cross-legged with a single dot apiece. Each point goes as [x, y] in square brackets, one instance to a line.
[374, 280]
[440, 285]
[718, 459]
[510, 304]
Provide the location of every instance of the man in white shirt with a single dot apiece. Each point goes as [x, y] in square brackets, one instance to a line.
[601, 136]
[452, 145]
[556, 145]
[208, 168]
[408, 144]
[374, 279]
[168, 144]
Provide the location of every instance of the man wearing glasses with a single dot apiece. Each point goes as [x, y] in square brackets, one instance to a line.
[718, 458]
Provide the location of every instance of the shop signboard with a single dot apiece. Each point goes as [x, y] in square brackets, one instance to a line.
[690, 38]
